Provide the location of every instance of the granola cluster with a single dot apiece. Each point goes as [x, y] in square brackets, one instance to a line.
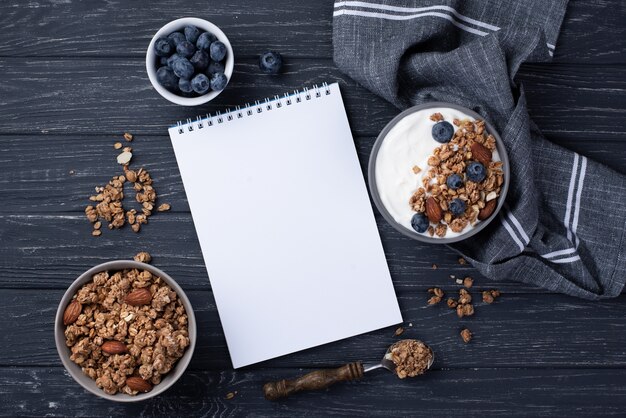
[109, 198]
[469, 143]
[128, 328]
[411, 357]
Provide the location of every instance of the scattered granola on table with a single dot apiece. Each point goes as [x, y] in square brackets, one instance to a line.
[108, 199]
[411, 358]
[126, 330]
[466, 335]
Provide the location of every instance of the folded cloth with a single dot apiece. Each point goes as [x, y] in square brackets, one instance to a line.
[562, 226]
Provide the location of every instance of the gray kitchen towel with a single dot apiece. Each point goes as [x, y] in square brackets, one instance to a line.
[562, 227]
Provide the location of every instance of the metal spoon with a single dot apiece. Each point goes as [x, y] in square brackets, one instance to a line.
[322, 379]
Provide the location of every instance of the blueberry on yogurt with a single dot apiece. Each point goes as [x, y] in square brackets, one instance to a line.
[420, 222]
[454, 181]
[457, 207]
[475, 172]
[442, 132]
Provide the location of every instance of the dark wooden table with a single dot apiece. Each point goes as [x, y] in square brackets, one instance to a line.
[72, 80]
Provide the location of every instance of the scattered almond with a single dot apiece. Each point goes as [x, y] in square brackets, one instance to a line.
[230, 395]
[96, 232]
[72, 312]
[128, 137]
[139, 297]
[462, 261]
[399, 331]
[164, 207]
[113, 347]
[138, 384]
[452, 303]
[117, 145]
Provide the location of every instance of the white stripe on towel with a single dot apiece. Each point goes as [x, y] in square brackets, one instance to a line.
[570, 195]
[511, 233]
[581, 181]
[566, 260]
[367, 5]
[558, 253]
[410, 17]
[517, 225]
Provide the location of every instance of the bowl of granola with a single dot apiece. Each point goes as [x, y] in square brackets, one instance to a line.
[125, 330]
[439, 173]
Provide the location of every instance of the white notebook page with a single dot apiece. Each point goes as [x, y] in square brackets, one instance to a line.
[286, 227]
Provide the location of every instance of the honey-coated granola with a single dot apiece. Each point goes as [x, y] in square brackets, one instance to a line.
[452, 158]
[126, 343]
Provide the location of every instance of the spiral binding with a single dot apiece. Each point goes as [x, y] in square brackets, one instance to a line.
[266, 105]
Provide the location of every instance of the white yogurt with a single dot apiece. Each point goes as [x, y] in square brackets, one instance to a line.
[409, 143]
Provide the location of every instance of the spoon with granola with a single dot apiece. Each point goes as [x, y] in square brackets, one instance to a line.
[405, 358]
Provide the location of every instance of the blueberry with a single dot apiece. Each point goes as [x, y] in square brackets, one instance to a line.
[454, 181]
[271, 62]
[172, 58]
[442, 131]
[420, 222]
[200, 84]
[217, 51]
[183, 68]
[192, 33]
[215, 67]
[475, 172]
[167, 78]
[184, 85]
[205, 40]
[163, 47]
[218, 81]
[457, 207]
[185, 49]
[200, 60]
[176, 38]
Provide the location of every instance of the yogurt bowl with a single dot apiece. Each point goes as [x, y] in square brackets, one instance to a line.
[439, 173]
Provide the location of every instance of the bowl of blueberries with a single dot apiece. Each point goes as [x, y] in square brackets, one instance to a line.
[190, 61]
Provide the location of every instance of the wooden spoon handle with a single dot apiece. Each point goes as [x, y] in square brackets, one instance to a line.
[319, 379]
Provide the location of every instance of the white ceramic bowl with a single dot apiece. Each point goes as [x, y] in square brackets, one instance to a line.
[178, 25]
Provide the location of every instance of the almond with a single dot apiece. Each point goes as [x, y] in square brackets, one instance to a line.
[139, 297]
[113, 347]
[481, 154]
[72, 312]
[433, 210]
[138, 384]
[487, 210]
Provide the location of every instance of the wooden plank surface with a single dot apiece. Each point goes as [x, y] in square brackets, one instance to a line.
[300, 29]
[518, 331]
[486, 392]
[104, 96]
[73, 80]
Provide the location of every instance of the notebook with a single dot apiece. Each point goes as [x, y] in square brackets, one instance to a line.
[285, 224]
